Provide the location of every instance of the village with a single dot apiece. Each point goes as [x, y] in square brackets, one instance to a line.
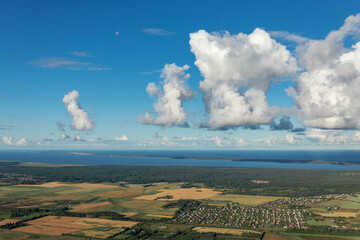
[285, 213]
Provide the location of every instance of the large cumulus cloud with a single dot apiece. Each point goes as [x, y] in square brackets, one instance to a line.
[238, 71]
[170, 95]
[81, 120]
[327, 94]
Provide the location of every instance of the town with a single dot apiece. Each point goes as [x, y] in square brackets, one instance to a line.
[286, 213]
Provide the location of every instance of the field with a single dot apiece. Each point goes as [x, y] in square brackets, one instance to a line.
[182, 193]
[88, 207]
[52, 225]
[6, 221]
[141, 206]
[339, 214]
[230, 231]
[339, 208]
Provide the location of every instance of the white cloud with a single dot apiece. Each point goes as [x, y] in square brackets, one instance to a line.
[356, 136]
[117, 33]
[329, 137]
[170, 95]
[99, 69]
[65, 63]
[290, 138]
[8, 140]
[81, 120]
[327, 94]
[81, 54]
[78, 138]
[21, 142]
[240, 142]
[11, 141]
[157, 31]
[64, 137]
[238, 72]
[291, 37]
[123, 138]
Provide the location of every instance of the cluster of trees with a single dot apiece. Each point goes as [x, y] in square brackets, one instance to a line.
[282, 182]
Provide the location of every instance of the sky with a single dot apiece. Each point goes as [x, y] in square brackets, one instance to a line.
[179, 75]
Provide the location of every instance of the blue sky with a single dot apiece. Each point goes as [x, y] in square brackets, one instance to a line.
[109, 51]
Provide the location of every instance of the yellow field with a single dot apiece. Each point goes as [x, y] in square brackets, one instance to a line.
[88, 207]
[182, 193]
[230, 231]
[339, 214]
[129, 214]
[158, 215]
[245, 199]
[6, 221]
[76, 185]
[52, 225]
[99, 234]
[123, 193]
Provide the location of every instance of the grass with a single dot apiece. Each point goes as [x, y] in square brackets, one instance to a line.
[296, 236]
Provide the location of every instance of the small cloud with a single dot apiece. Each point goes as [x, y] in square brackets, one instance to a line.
[61, 126]
[284, 124]
[151, 72]
[184, 125]
[117, 33]
[157, 31]
[60, 63]
[81, 120]
[290, 37]
[298, 130]
[47, 140]
[123, 138]
[99, 69]
[156, 135]
[80, 54]
[252, 127]
[10, 141]
[64, 137]
[66, 63]
[6, 127]
[78, 138]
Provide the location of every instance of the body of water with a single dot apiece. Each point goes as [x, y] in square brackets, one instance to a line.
[190, 158]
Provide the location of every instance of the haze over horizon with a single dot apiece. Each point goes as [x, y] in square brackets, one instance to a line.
[239, 75]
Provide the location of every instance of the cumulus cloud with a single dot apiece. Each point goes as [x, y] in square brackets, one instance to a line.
[81, 120]
[285, 124]
[170, 95]
[123, 138]
[64, 137]
[157, 31]
[11, 141]
[327, 93]
[238, 71]
[78, 138]
[290, 138]
[329, 137]
[356, 136]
